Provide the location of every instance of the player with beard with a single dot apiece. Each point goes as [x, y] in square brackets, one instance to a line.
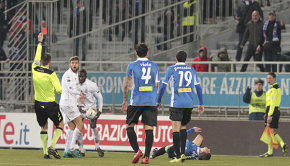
[68, 106]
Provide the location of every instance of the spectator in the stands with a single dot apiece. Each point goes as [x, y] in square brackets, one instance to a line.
[253, 34]
[18, 23]
[78, 26]
[272, 41]
[222, 56]
[3, 57]
[3, 25]
[167, 28]
[122, 13]
[243, 15]
[202, 56]
[140, 7]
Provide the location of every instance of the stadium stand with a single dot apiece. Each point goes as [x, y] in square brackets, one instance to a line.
[110, 37]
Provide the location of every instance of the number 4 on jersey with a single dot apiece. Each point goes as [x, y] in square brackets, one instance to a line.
[146, 74]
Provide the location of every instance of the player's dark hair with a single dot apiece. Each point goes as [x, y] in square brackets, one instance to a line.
[45, 59]
[83, 71]
[204, 156]
[181, 56]
[272, 74]
[74, 58]
[141, 49]
[259, 81]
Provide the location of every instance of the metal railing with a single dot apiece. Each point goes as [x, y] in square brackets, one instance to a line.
[17, 88]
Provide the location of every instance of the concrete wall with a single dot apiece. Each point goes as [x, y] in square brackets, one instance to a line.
[237, 137]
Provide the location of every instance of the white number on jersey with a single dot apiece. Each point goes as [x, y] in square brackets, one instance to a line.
[187, 76]
[146, 74]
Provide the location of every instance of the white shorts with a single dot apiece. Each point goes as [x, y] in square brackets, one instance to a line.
[69, 113]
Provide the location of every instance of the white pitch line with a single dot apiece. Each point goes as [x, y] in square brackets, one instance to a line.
[16, 164]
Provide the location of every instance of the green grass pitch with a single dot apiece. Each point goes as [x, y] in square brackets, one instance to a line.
[34, 158]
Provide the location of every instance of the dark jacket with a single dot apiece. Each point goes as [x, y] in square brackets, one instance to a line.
[248, 95]
[3, 27]
[223, 67]
[254, 34]
[245, 13]
[269, 32]
[78, 22]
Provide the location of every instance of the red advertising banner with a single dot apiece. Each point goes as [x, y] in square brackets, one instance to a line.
[113, 135]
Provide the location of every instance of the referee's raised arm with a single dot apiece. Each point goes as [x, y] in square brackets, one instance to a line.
[38, 52]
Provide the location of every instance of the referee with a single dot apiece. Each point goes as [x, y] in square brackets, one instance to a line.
[273, 101]
[45, 81]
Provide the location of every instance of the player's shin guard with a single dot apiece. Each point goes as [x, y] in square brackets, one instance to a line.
[176, 144]
[148, 142]
[132, 139]
[96, 137]
[270, 149]
[56, 135]
[279, 139]
[183, 136]
[68, 139]
[44, 137]
[76, 136]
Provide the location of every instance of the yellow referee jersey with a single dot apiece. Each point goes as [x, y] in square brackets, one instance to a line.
[273, 98]
[44, 80]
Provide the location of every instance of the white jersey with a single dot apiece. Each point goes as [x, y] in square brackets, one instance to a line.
[70, 91]
[91, 90]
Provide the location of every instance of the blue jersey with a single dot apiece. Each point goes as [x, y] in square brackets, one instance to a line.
[191, 150]
[145, 75]
[181, 79]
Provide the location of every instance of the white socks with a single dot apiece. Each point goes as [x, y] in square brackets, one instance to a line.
[96, 137]
[76, 135]
[68, 139]
[81, 144]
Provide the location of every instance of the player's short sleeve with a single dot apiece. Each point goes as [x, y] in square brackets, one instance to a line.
[167, 76]
[129, 70]
[195, 78]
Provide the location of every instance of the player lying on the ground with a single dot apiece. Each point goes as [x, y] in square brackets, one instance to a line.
[90, 90]
[193, 151]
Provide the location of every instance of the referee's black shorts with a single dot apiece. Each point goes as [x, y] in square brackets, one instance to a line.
[45, 110]
[149, 115]
[275, 117]
[180, 114]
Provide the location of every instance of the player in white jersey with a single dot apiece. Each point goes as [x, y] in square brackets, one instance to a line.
[68, 106]
[90, 90]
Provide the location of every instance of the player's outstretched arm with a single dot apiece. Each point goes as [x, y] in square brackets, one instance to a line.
[37, 58]
[125, 94]
[192, 130]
